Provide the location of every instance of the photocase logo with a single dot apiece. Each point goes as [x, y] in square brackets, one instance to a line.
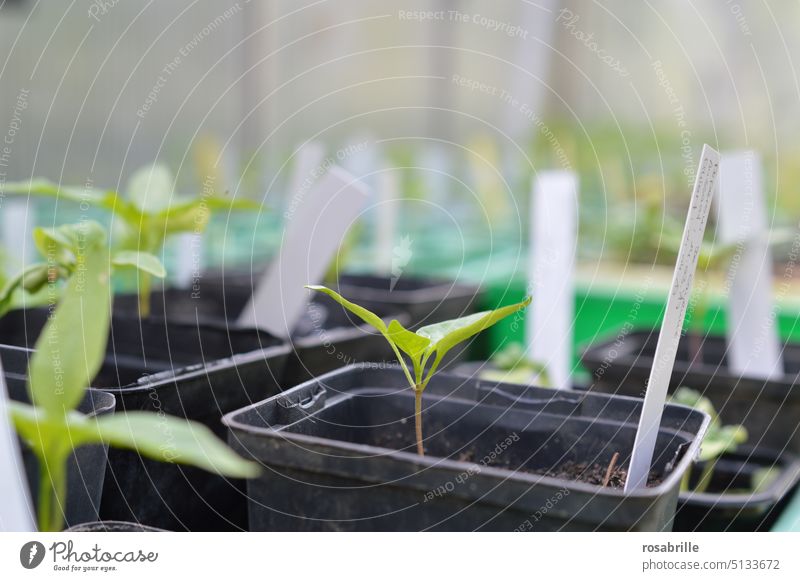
[31, 554]
[401, 256]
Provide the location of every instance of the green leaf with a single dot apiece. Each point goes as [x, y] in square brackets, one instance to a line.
[368, 317]
[720, 441]
[169, 439]
[150, 188]
[72, 344]
[694, 399]
[409, 343]
[446, 335]
[143, 261]
[63, 243]
[45, 188]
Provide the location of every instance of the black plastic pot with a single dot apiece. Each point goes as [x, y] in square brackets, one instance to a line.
[769, 409]
[423, 300]
[339, 455]
[176, 497]
[86, 467]
[198, 372]
[326, 338]
[112, 526]
[729, 504]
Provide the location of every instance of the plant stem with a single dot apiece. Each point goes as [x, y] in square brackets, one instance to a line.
[418, 419]
[145, 283]
[705, 476]
[52, 490]
[610, 469]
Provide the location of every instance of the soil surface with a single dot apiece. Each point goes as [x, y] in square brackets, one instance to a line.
[593, 474]
[443, 447]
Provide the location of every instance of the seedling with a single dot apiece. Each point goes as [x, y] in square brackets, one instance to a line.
[68, 355]
[426, 347]
[512, 365]
[718, 440]
[60, 248]
[150, 211]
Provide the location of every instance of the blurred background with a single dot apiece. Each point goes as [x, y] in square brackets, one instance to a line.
[462, 102]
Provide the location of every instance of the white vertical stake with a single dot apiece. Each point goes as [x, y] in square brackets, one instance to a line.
[312, 237]
[15, 505]
[753, 346]
[670, 334]
[308, 167]
[188, 262]
[18, 229]
[386, 223]
[554, 211]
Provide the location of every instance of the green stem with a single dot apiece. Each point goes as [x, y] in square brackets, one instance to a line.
[145, 283]
[52, 490]
[418, 419]
[705, 476]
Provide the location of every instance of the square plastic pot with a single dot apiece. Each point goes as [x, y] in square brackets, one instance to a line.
[326, 338]
[729, 504]
[339, 455]
[86, 467]
[197, 372]
[769, 409]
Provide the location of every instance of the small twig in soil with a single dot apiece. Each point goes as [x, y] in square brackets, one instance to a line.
[610, 469]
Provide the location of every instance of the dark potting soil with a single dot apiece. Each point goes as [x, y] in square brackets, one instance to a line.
[442, 446]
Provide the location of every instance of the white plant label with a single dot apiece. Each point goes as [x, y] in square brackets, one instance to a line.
[15, 506]
[18, 229]
[386, 222]
[308, 164]
[312, 237]
[670, 334]
[188, 259]
[753, 346]
[554, 210]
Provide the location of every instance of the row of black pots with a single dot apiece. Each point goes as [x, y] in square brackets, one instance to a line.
[200, 367]
[768, 408]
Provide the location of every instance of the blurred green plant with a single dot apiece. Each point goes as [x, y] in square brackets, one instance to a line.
[68, 355]
[717, 441]
[149, 212]
[60, 248]
[512, 365]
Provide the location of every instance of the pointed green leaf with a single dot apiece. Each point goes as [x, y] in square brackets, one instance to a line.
[62, 244]
[175, 440]
[368, 317]
[46, 188]
[143, 261]
[446, 335]
[72, 345]
[409, 343]
[151, 187]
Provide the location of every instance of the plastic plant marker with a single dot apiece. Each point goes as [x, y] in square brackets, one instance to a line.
[549, 330]
[17, 226]
[188, 262]
[753, 345]
[15, 505]
[313, 235]
[670, 333]
[308, 168]
[386, 223]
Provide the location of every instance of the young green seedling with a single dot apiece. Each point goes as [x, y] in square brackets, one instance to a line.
[59, 247]
[68, 355]
[512, 365]
[718, 440]
[150, 211]
[426, 347]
